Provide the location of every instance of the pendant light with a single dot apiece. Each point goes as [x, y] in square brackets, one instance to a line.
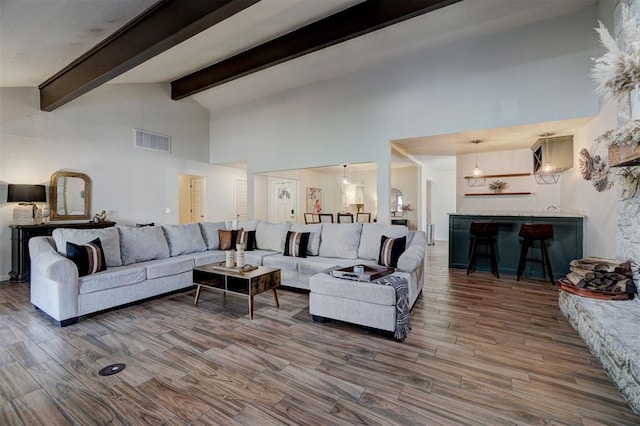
[547, 174]
[345, 177]
[477, 171]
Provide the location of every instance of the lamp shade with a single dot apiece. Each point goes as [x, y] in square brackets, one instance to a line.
[26, 193]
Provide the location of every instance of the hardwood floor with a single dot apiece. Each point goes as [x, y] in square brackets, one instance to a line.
[482, 351]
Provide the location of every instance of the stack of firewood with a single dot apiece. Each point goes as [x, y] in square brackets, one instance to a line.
[600, 275]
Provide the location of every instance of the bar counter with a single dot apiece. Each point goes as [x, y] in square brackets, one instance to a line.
[566, 245]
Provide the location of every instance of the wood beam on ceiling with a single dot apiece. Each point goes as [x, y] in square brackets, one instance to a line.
[159, 28]
[353, 22]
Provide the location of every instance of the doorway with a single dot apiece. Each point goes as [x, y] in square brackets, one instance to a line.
[191, 198]
[283, 201]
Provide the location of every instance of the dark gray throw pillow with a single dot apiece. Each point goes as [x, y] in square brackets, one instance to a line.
[89, 257]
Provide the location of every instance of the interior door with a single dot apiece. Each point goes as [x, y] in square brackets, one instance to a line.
[241, 199]
[196, 199]
[284, 199]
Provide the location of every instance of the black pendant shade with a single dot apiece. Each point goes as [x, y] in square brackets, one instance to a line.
[26, 193]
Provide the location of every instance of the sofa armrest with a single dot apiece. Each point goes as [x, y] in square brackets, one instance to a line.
[53, 280]
[413, 256]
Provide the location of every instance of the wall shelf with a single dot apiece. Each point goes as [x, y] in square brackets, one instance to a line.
[491, 194]
[496, 176]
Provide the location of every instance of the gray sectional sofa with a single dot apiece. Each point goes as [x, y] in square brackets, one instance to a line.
[149, 261]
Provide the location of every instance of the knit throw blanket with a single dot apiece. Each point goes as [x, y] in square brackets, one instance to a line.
[403, 308]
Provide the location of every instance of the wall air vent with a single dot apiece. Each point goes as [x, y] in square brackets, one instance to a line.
[153, 141]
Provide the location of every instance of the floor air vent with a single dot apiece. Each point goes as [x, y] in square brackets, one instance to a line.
[154, 141]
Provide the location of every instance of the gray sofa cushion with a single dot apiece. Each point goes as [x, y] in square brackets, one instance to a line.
[288, 263]
[206, 257]
[167, 267]
[340, 240]
[371, 236]
[210, 233]
[315, 230]
[377, 294]
[271, 236]
[414, 255]
[140, 244]
[109, 239]
[184, 239]
[256, 257]
[111, 278]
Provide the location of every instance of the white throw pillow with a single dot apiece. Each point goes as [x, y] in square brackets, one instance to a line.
[340, 240]
[271, 236]
[109, 239]
[315, 229]
[372, 235]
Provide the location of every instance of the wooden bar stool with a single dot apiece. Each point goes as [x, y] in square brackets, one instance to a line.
[483, 233]
[542, 233]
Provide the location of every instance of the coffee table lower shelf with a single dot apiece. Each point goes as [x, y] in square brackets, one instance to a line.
[248, 283]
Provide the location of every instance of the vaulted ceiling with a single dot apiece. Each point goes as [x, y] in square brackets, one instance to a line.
[39, 38]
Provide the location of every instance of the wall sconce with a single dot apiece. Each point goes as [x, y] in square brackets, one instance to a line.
[26, 196]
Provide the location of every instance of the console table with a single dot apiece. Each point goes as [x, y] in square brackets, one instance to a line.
[21, 234]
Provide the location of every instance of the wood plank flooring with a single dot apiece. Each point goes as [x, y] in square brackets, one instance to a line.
[482, 351]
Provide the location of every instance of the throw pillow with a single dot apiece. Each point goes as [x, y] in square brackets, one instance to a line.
[390, 250]
[89, 257]
[229, 239]
[142, 244]
[248, 238]
[296, 244]
[225, 238]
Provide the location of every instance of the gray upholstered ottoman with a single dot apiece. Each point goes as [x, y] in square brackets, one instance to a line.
[369, 304]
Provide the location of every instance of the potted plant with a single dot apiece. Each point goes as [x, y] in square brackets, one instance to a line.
[498, 186]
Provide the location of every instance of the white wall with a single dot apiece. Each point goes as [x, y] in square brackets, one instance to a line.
[578, 194]
[94, 135]
[443, 190]
[533, 74]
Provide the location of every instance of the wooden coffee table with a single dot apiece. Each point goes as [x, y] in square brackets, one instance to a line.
[216, 277]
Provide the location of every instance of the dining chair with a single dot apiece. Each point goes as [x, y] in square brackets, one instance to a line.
[326, 217]
[345, 217]
[363, 217]
[308, 218]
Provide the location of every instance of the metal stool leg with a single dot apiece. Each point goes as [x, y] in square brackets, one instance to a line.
[494, 258]
[546, 261]
[526, 243]
[472, 255]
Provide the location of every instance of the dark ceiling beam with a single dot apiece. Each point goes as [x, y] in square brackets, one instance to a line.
[350, 23]
[159, 28]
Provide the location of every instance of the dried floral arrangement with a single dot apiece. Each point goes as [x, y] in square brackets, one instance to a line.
[595, 170]
[498, 185]
[617, 74]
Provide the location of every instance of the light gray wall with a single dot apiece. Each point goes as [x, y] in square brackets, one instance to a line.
[95, 135]
[533, 74]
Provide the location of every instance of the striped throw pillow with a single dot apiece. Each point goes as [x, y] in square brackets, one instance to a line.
[89, 257]
[296, 244]
[390, 250]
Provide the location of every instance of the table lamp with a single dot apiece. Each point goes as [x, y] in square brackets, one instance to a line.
[26, 196]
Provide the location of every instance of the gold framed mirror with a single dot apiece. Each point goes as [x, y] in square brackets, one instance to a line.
[70, 196]
[396, 202]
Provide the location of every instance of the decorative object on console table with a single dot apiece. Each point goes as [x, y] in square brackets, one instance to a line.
[26, 196]
[20, 236]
